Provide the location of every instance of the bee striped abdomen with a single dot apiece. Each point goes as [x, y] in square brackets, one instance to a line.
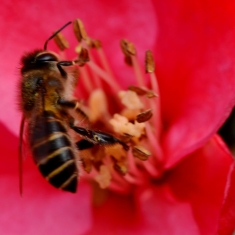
[53, 152]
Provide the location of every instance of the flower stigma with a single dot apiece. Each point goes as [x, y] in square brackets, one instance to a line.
[132, 115]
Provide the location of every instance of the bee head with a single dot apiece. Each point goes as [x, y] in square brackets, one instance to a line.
[38, 59]
[41, 59]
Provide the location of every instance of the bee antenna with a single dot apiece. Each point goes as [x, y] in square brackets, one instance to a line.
[55, 33]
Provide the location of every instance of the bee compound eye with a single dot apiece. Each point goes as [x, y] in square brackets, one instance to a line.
[39, 81]
[45, 57]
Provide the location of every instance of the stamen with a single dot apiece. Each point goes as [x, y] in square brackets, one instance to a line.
[151, 169]
[79, 30]
[142, 91]
[154, 142]
[130, 100]
[144, 116]
[132, 164]
[149, 62]
[83, 57]
[61, 41]
[119, 183]
[138, 72]
[129, 51]
[104, 177]
[133, 179]
[150, 68]
[106, 65]
[86, 79]
[116, 151]
[134, 175]
[96, 43]
[86, 42]
[141, 153]
[98, 111]
[121, 125]
[121, 168]
[95, 77]
[105, 76]
[88, 57]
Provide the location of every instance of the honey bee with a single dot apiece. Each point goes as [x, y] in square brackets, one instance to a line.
[47, 103]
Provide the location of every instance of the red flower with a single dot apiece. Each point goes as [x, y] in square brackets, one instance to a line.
[194, 52]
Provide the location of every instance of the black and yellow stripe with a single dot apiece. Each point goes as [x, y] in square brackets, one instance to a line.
[52, 151]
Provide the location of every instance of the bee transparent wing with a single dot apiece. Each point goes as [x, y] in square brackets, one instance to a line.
[76, 111]
[23, 152]
[20, 156]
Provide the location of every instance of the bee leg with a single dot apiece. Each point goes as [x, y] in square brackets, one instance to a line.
[98, 137]
[84, 144]
[63, 63]
[73, 105]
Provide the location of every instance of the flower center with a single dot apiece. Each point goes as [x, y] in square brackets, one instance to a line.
[132, 115]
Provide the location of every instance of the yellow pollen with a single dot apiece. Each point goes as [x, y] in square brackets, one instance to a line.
[97, 110]
[104, 177]
[123, 126]
[130, 99]
[115, 151]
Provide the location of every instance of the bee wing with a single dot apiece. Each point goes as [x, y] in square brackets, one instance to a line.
[79, 114]
[20, 156]
[22, 152]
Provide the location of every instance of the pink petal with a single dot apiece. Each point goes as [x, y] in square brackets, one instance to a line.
[186, 201]
[189, 198]
[195, 57]
[43, 209]
[117, 217]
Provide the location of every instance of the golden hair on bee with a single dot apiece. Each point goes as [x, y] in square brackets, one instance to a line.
[48, 106]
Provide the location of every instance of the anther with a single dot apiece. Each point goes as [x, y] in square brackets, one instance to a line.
[126, 137]
[144, 116]
[121, 168]
[141, 91]
[127, 47]
[128, 50]
[79, 30]
[83, 57]
[61, 41]
[149, 62]
[140, 153]
[96, 43]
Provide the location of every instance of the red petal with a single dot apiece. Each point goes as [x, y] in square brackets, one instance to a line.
[189, 198]
[117, 216]
[186, 201]
[195, 59]
[227, 217]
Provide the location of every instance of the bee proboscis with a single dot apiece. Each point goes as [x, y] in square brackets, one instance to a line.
[48, 104]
